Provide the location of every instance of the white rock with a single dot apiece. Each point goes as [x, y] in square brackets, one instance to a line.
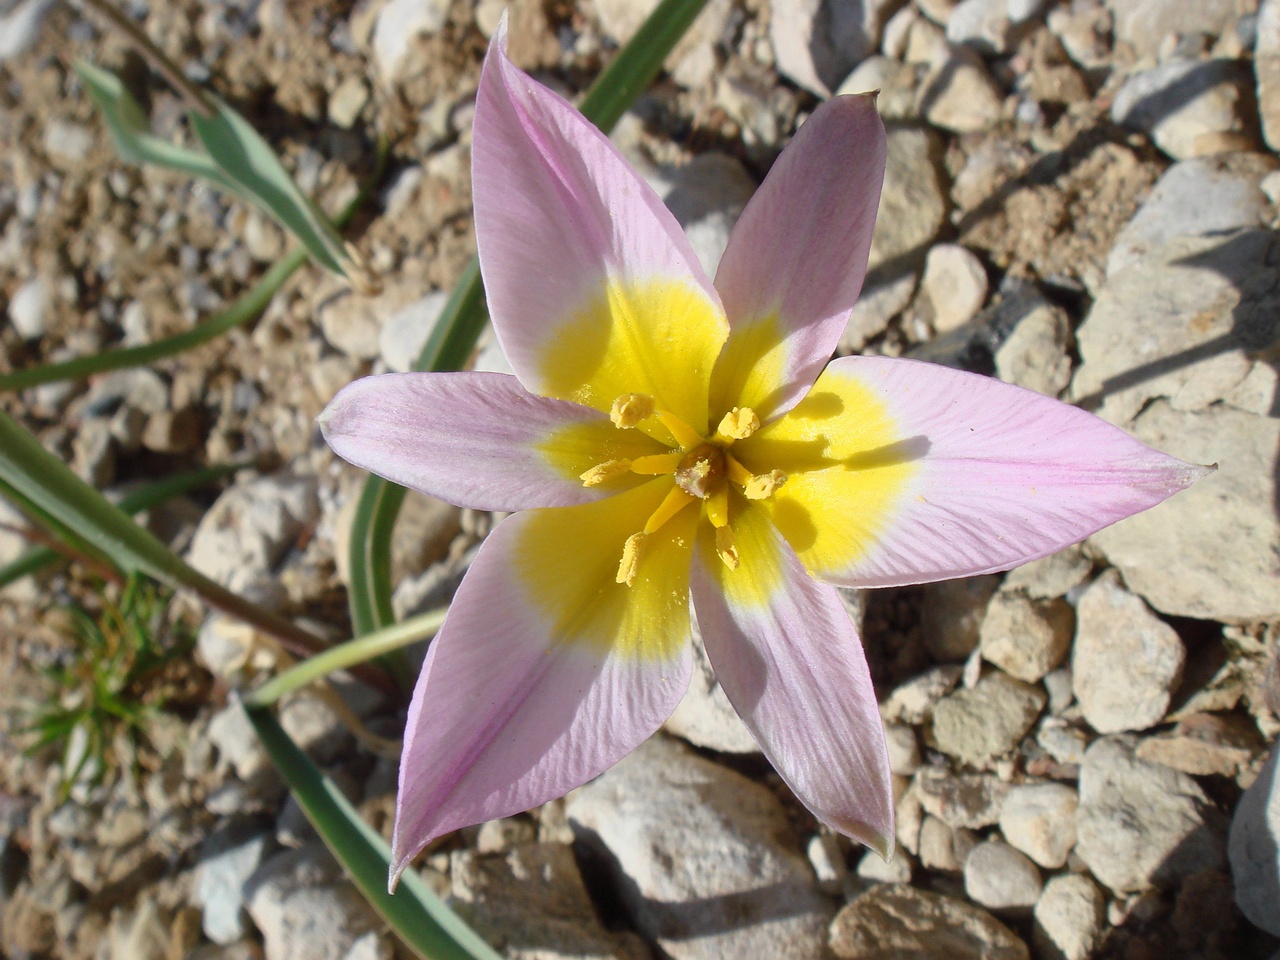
[1189, 108]
[904, 749]
[896, 870]
[817, 42]
[140, 934]
[1069, 917]
[399, 23]
[1144, 24]
[968, 800]
[708, 874]
[959, 95]
[1126, 662]
[27, 309]
[67, 141]
[989, 25]
[1040, 820]
[1254, 848]
[1060, 740]
[893, 82]
[704, 716]
[988, 721]
[706, 195]
[879, 303]
[943, 847]
[913, 202]
[406, 331]
[897, 922]
[1198, 196]
[912, 702]
[346, 102]
[1036, 354]
[1051, 576]
[227, 858]
[1266, 67]
[692, 63]
[953, 287]
[1000, 878]
[1023, 637]
[1142, 824]
[20, 26]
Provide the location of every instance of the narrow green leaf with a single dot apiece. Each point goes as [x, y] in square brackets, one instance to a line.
[37, 558]
[249, 162]
[460, 324]
[419, 919]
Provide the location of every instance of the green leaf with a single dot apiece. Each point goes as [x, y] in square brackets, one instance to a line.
[249, 162]
[460, 324]
[417, 916]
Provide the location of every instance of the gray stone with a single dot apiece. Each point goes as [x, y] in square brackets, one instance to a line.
[1199, 196]
[531, 904]
[952, 288]
[1051, 576]
[142, 389]
[912, 702]
[913, 204]
[1036, 354]
[692, 63]
[1144, 24]
[952, 613]
[1040, 820]
[904, 750]
[893, 82]
[347, 101]
[895, 870]
[20, 26]
[1266, 67]
[1254, 848]
[817, 42]
[944, 848]
[705, 195]
[1205, 745]
[68, 142]
[1026, 638]
[705, 717]
[898, 922]
[305, 907]
[1141, 824]
[248, 530]
[1069, 918]
[709, 873]
[987, 721]
[959, 95]
[990, 25]
[1001, 878]
[140, 934]
[27, 309]
[93, 453]
[879, 303]
[968, 800]
[1189, 108]
[398, 24]
[405, 333]
[1126, 662]
[227, 858]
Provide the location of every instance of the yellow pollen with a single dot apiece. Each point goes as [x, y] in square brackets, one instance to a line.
[764, 485]
[630, 409]
[726, 548]
[604, 472]
[738, 424]
[630, 562]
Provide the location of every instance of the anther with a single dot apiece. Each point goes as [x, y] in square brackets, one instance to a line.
[630, 409]
[630, 562]
[762, 486]
[738, 424]
[726, 548]
[604, 472]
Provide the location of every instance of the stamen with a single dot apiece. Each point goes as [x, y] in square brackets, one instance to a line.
[684, 434]
[764, 485]
[630, 562]
[657, 464]
[737, 472]
[604, 472]
[631, 408]
[726, 549]
[738, 424]
[718, 507]
[675, 501]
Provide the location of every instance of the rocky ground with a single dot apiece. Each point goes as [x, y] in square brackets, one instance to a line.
[1081, 198]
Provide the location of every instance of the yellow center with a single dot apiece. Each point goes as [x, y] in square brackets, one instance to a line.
[703, 470]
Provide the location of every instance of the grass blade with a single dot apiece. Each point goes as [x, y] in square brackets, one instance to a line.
[419, 919]
[464, 316]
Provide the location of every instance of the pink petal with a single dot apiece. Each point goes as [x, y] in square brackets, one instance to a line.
[790, 661]
[561, 222]
[478, 440]
[797, 257]
[984, 475]
[546, 672]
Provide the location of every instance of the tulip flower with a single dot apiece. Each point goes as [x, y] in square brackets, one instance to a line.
[667, 440]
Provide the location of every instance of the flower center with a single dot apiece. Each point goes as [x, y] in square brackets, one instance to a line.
[703, 470]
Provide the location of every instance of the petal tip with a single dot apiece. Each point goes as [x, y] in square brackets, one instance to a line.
[882, 842]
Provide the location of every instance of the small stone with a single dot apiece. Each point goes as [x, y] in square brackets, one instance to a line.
[227, 858]
[1266, 66]
[1127, 662]
[706, 195]
[953, 287]
[704, 716]
[1060, 740]
[817, 42]
[93, 453]
[1204, 745]
[913, 202]
[27, 309]
[1037, 353]
[944, 848]
[893, 82]
[263, 238]
[173, 431]
[1145, 24]
[1001, 878]
[952, 614]
[1188, 106]
[20, 26]
[896, 870]
[912, 702]
[140, 934]
[1254, 848]
[989, 26]
[1069, 917]
[904, 750]
[499, 836]
[1026, 638]
[959, 94]
[878, 304]
[826, 856]
[898, 922]
[346, 102]
[406, 331]
[68, 142]
[398, 24]
[988, 721]
[1053, 576]
[1141, 824]
[969, 800]
[1040, 820]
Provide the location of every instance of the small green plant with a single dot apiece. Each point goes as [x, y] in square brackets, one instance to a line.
[118, 674]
